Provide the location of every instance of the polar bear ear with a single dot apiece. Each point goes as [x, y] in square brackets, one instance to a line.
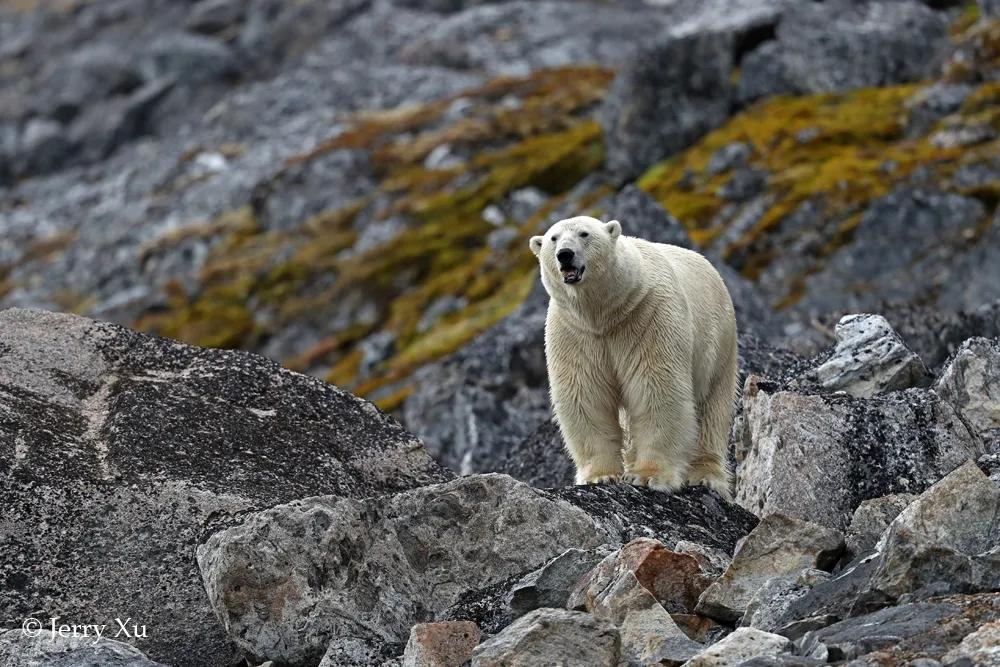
[614, 229]
[535, 244]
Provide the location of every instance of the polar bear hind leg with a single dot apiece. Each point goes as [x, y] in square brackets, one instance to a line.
[710, 466]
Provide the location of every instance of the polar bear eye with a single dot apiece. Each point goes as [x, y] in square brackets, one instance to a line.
[584, 235]
[554, 237]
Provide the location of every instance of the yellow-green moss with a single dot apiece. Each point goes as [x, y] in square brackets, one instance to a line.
[256, 281]
[836, 151]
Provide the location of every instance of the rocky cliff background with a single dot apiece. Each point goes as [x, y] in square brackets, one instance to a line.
[347, 188]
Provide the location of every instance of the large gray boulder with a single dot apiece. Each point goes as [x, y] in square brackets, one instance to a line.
[818, 457]
[289, 580]
[971, 383]
[119, 451]
[840, 45]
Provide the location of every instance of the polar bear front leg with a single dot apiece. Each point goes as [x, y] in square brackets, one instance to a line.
[588, 418]
[663, 427]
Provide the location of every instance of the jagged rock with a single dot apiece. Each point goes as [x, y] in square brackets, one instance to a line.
[551, 584]
[648, 633]
[779, 545]
[740, 646]
[122, 449]
[825, 47]
[945, 541]
[980, 648]
[872, 518]
[929, 104]
[665, 99]
[675, 580]
[729, 157]
[870, 358]
[551, 637]
[99, 130]
[926, 629]
[820, 456]
[48, 650]
[329, 566]
[971, 383]
[336, 566]
[448, 644]
[643, 216]
[767, 609]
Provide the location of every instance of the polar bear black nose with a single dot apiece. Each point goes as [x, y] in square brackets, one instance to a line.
[565, 256]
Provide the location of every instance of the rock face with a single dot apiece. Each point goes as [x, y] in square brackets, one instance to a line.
[168, 441]
[971, 383]
[870, 358]
[551, 637]
[820, 456]
[779, 545]
[335, 567]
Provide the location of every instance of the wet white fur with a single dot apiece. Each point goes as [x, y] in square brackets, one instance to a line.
[641, 356]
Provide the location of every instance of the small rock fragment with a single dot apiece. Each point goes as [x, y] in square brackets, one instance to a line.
[447, 644]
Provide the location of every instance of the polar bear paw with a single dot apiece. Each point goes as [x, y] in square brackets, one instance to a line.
[603, 479]
[658, 481]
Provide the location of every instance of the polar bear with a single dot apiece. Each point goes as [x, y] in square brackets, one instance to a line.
[640, 344]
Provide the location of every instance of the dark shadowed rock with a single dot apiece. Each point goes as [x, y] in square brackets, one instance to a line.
[936, 334]
[676, 89]
[819, 456]
[551, 584]
[693, 514]
[925, 629]
[48, 650]
[839, 45]
[540, 459]
[120, 450]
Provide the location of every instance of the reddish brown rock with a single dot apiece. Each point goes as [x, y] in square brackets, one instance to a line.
[446, 644]
[675, 579]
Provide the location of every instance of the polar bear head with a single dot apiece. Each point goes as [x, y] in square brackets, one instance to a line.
[576, 249]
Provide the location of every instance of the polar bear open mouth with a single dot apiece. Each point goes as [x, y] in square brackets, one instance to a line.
[572, 274]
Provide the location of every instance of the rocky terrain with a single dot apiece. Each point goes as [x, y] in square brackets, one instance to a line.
[227, 226]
